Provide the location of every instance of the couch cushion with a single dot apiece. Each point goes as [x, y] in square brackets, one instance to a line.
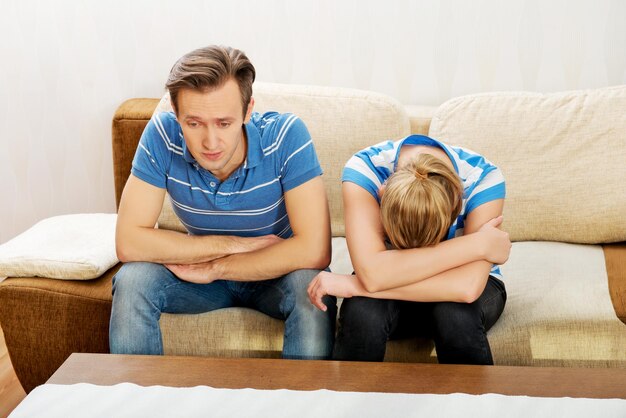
[562, 156]
[341, 122]
[559, 311]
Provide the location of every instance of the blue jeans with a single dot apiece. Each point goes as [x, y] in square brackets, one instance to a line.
[142, 291]
[458, 329]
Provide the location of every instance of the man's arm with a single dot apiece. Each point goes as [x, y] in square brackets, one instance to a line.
[308, 248]
[379, 269]
[136, 239]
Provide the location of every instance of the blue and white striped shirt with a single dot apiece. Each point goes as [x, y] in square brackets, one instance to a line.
[482, 181]
[250, 202]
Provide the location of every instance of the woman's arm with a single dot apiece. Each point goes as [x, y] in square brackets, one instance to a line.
[462, 284]
[379, 269]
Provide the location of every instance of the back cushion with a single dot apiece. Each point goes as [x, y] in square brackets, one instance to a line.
[341, 122]
[563, 157]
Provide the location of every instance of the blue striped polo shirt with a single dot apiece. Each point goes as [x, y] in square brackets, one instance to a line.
[250, 202]
[482, 180]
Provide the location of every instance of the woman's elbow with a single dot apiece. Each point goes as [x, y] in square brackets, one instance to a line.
[366, 278]
[472, 293]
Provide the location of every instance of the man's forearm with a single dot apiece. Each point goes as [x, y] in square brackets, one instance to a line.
[273, 261]
[164, 246]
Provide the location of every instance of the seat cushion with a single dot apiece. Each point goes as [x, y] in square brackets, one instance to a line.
[559, 311]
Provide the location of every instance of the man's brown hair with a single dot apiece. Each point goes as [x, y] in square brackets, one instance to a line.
[420, 202]
[210, 67]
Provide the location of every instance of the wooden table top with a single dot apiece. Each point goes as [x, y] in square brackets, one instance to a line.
[110, 369]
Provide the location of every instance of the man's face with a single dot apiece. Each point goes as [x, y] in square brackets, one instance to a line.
[212, 126]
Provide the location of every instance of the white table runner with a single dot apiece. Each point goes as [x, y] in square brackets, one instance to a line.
[129, 400]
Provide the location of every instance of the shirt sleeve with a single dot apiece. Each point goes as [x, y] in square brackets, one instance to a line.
[489, 187]
[359, 170]
[298, 162]
[154, 151]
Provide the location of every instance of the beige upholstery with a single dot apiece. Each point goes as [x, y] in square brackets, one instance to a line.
[563, 157]
[558, 311]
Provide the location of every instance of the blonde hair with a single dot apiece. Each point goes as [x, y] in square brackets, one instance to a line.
[420, 202]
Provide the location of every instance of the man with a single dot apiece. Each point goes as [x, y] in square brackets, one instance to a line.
[248, 189]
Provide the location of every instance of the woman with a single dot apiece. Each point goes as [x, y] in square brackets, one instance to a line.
[422, 223]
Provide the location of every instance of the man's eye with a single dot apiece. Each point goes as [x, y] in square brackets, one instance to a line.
[192, 124]
[224, 124]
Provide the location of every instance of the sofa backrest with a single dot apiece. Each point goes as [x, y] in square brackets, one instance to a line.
[341, 122]
[563, 157]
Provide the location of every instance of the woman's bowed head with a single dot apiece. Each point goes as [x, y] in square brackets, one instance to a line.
[420, 202]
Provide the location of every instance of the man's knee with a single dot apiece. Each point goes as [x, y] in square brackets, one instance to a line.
[138, 278]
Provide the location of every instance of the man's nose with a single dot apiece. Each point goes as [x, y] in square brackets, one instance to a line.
[210, 139]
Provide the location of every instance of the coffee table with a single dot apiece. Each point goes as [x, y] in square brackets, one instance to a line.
[110, 369]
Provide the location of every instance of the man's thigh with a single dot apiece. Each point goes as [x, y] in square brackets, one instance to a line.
[154, 284]
[277, 297]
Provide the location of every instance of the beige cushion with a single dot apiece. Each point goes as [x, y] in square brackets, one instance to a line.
[73, 247]
[563, 156]
[559, 311]
[341, 122]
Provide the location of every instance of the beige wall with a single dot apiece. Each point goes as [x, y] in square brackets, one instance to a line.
[67, 64]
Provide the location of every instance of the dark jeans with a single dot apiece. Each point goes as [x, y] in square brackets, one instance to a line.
[458, 329]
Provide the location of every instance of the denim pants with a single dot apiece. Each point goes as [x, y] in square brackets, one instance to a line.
[458, 329]
[142, 291]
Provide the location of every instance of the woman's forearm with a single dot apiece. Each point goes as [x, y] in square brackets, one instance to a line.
[392, 269]
[461, 284]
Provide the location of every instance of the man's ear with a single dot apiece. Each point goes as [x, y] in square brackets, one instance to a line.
[246, 119]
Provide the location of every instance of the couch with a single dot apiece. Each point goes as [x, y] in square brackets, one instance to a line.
[563, 156]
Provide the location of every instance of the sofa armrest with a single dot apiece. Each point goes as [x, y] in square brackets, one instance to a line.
[615, 259]
[46, 320]
[129, 121]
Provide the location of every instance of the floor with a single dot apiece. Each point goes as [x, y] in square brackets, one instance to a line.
[11, 392]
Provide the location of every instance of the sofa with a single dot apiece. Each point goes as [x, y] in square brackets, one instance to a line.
[563, 156]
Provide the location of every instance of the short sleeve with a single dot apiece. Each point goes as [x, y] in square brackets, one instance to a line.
[155, 149]
[298, 159]
[359, 170]
[489, 187]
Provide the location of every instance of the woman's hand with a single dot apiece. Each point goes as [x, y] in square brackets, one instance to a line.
[496, 243]
[340, 285]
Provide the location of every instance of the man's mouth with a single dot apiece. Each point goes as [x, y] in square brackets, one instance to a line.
[212, 156]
